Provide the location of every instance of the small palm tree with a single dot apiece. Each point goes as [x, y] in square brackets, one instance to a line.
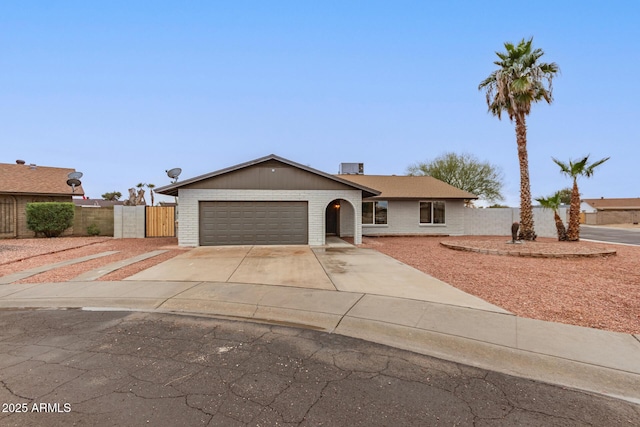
[553, 203]
[520, 81]
[575, 169]
[151, 187]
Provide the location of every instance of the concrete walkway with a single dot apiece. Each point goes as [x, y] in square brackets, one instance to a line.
[364, 294]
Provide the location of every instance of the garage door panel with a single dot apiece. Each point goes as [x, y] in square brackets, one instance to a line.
[253, 223]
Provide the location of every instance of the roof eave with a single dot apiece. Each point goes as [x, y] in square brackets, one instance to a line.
[31, 193]
[383, 197]
[172, 189]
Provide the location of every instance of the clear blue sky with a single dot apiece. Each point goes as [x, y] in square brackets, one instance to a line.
[123, 90]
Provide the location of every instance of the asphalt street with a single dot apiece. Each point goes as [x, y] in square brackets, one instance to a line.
[73, 367]
[610, 234]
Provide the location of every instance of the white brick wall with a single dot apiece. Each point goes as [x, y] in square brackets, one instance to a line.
[497, 221]
[404, 218]
[318, 200]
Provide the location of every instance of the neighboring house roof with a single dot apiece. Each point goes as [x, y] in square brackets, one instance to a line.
[614, 204]
[409, 187]
[172, 189]
[20, 179]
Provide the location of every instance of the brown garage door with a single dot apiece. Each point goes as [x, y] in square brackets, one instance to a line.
[253, 223]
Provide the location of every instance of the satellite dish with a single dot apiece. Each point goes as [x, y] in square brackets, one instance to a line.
[73, 183]
[174, 173]
[75, 175]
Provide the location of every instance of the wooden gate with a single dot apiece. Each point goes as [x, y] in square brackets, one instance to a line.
[8, 210]
[161, 221]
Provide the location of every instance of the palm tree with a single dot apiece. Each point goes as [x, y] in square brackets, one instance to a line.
[520, 81]
[574, 170]
[151, 187]
[553, 203]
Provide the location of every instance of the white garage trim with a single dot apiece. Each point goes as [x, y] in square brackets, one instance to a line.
[188, 209]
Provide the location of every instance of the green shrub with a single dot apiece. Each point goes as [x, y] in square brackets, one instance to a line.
[49, 218]
[93, 230]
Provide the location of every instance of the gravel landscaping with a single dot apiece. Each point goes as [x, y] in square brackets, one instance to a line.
[601, 292]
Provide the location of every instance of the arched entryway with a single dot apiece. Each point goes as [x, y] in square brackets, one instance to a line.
[332, 218]
[340, 219]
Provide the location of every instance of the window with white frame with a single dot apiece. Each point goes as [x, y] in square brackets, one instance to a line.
[375, 213]
[432, 212]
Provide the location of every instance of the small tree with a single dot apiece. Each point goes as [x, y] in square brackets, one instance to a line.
[574, 169]
[565, 196]
[49, 218]
[553, 203]
[112, 196]
[464, 171]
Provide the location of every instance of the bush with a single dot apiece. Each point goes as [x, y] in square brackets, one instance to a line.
[49, 218]
[93, 230]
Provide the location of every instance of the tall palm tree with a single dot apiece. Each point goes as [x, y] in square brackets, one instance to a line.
[151, 187]
[519, 82]
[553, 203]
[575, 170]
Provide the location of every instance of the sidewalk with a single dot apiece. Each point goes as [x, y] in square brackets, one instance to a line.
[402, 308]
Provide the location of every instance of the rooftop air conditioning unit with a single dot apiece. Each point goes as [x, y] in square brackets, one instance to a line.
[352, 168]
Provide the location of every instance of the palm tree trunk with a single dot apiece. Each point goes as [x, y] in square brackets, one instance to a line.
[526, 208]
[573, 233]
[562, 231]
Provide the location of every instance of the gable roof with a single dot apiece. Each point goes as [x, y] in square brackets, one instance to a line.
[172, 189]
[614, 204]
[31, 179]
[409, 187]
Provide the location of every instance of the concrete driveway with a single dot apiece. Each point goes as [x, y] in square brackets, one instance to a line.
[338, 267]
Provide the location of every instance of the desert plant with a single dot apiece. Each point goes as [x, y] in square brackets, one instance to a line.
[519, 82]
[575, 169]
[151, 187]
[553, 203]
[93, 230]
[49, 218]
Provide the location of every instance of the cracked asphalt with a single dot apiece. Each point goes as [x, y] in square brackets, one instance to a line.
[73, 367]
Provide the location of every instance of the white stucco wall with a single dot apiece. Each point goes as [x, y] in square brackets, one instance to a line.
[403, 217]
[129, 222]
[188, 232]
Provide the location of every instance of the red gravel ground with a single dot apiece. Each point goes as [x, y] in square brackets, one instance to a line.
[601, 292]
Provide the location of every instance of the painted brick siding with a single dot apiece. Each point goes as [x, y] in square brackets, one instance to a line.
[403, 218]
[347, 219]
[188, 208]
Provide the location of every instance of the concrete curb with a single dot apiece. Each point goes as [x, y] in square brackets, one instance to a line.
[592, 360]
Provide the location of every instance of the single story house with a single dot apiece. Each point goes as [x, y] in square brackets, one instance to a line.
[272, 200]
[611, 211]
[411, 205]
[21, 184]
